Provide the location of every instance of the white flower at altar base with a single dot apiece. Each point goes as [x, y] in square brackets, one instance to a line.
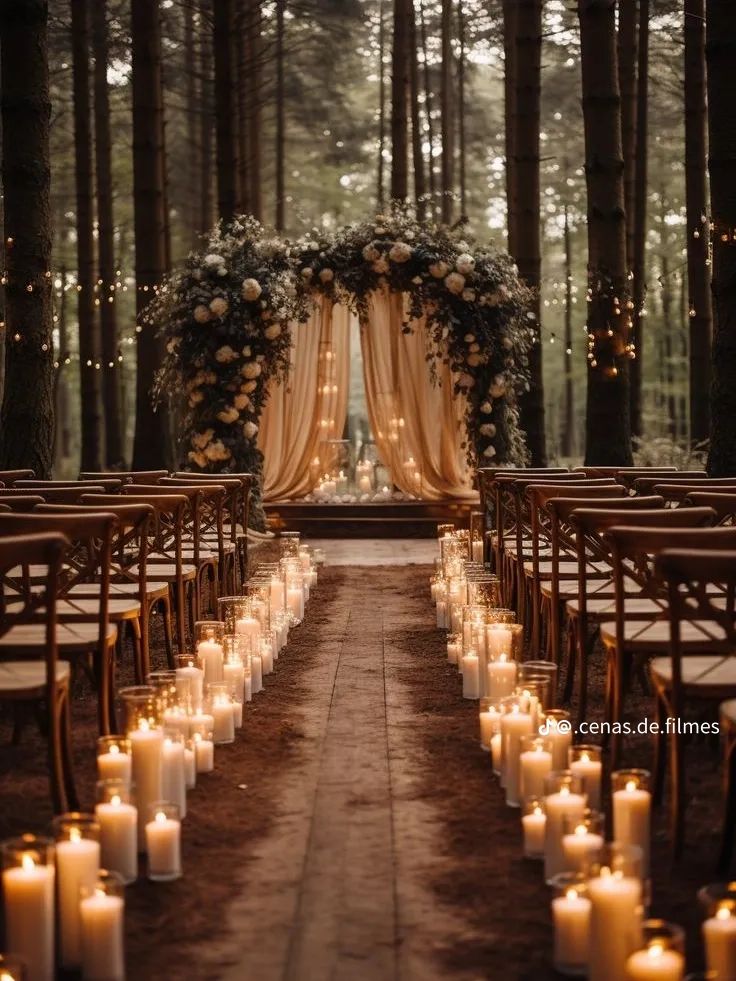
[307, 272]
[486, 408]
[465, 264]
[246, 352]
[488, 429]
[439, 269]
[474, 360]
[242, 402]
[229, 415]
[455, 283]
[469, 296]
[202, 314]
[498, 387]
[213, 261]
[219, 306]
[217, 451]
[251, 369]
[326, 275]
[371, 253]
[249, 429]
[196, 456]
[251, 290]
[248, 387]
[400, 252]
[196, 397]
[225, 354]
[489, 451]
[272, 332]
[466, 381]
[200, 440]
[380, 266]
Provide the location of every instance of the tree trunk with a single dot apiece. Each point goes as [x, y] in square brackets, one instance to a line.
[151, 428]
[720, 49]
[255, 99]
[280, 119]
[417, 139]
[380, 178]
[243, 95]
[111, 388]
[62, 429]
[668, 332]
[163, 162]
[696, 193]
[461, 110]
[428, 100]
[568, 433]
[27, 430]
[227, 169]
[528, 232]
[399, 100]
[89, 341]
[640, 215]
[627, 55]
[189, 69]
[509, 88]
[447, 110]
[205, 118]
[608, 434]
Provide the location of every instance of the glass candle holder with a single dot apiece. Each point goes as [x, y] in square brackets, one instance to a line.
[233, 669]
[164, 682]
[113, 759]
[585, 760]
[220, 707]
[719, 931]
[516, 723]
[555, 725]
[266, 650]
[490, 721]
[533, 692]
[470, 666]
[632, 805]
[533, 823]
[563, 792]
[473, 625]
[190, 764]
[101, 909]
[295, 592]
[616, 915]
[208, 636]
[163, 842]
[535, 764]
[541, 669]
[141, 707]
[504, 638]
[289, 542]
[501, 673]
[483, 588]
[190, 679]
[117, 818]
[454, 648]
[204, 747]
[173, 776]
[571, 918]
[77, 864]
[28, 864]
[12, 968]
[582, 839]
[143, 727]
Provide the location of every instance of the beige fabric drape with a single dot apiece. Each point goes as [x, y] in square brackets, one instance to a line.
[412, 416]
[309, 406]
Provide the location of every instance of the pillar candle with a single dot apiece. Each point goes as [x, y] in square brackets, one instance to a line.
[631, 820]
[615, 924]
[719, 936]
[578, 847]
[490, 722]
[558, 805]
[655, 963]
[178, 719]
[28, 892]
[163, 843]
[454, 651]
[533, 826]
[498, 640]
[514, 726]
[147, 754]
[195, 676]
[237, 708]
[101, 919]
[501, 677]
[295, 601]
[266, 658]
[210, 656]
[277, 594]
[496, 751]
[477, 550]
[115, 765]
[77, 865]
[470, 675]
[233, 672]
[190, 767]
[571, 917]
[224, 726]
[560, 735]
[118, 823]
[589, 772]
[173, 779]
[534, 765]
[248, 627]
[441, 614]
[256, 673]
[204, 754]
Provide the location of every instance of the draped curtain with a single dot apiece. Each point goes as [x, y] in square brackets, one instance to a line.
[309, 406]
[418, 423]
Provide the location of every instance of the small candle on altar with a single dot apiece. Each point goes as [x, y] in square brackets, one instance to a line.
[163, 842]
[28, 898]
[719, 937]
[118, 821]
[501, 676]
[585, 761]
[173, 778]
[535, 763]
[364, 484]
[632, 804]
[77, 865]
[582, 840]
[114, 761]
[615, 892]
[515, 725]
[471, 688]
[204, 751]
[533, 824]
[190, 765]
[563, 797]
[490, 722]
[655, 963]
[571, 918]
[101, 915]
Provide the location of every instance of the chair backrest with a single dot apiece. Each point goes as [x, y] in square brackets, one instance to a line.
[200, 498]
[8, 477]
[109, 484]
[487, 477]
[20, 502]
[676, 493]
[647, 484]
[170, 512]
[126, 476]
[723, 504]
[218, 500]
[629, 477]
[623, 471]
[247, 483]
[54, 495]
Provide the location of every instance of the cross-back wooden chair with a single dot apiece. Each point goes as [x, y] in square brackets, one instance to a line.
[622, 471]
[628, 477]
[38, 680]
[674, 494]
[647, 484]
[110, 485]
[20, 502]
[626, 638]
[723, 504]
[8, 477]
[54, 495]
[701, 585]
[87, 560]
[595, 600]
[125, 476]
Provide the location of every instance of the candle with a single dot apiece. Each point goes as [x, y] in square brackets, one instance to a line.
[195, 676]
[490, 721]
[497, 751]
[579, 846]
[204, 753]
[173, 778]
[118, 821]
[615, 923]
[477, 550]
[237, 708]
[632, 811]
[585, 761]
[115, 762]
[295, 602]
[564, 801]
[556, 727]
[190, 766]
[535, 762]
[209, 653]
[222, 713]
[28, 892]
[163, 843]
[655, 963]
[571, 918]
[719, 937]
[77, 865]
[266, 651]
[533, 825]
[147, 754]
[101, 917]
[277, 594]
[441, 614]
[454, 649]
[515, 724]
[256, 673]
[498, 640]
[501, 677]
[176, 719]
[470, 675]
[233, 672]
[364, 484]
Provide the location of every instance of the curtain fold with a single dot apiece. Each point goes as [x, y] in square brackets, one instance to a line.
[309, 406]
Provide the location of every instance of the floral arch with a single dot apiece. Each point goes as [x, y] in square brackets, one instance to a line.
[226, 319]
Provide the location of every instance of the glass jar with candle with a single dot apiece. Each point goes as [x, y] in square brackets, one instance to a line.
[142, 711]
[163, 841]
[77, 864]
[295, 591]
[571, 919]
[28, 864]
[454, 648]
[555, 724]
[585, 760]
[233, 669]
[204, 745]
[208, 635]
[582, 839]
[101, 915]
[501, 673]
[470, 674]
[13, 968]
[165, 685]
[616, 913]
[140, 705]
[563, 792]
[289, 542]
[173, 779]
[490, 721]
[516, 723]
[266, 650]
[220, 707]
[535, 763]
[113, 759]
[632, 804]
[533, 822]
[189, 669]
[117, 818]
[544, 669]
[483, 589]
[719, 929]
[504, 637]
[533, 691]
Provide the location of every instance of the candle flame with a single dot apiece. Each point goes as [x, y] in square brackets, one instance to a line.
[723, 913]
[27, 862]
[572, 894]
[655, 950]
[115, 800]
[564, 790]
[160, 816]
[605, 872]
[114, 749]
[631, 785]
[143, 725]
[537, 809]
[6, 977]
[502, 657]
[75, 834]
[585, 757]
[581, 829]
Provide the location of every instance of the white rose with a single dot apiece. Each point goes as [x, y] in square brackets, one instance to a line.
[326, 275]
[201, 313]
[498, 387]
[196, 456]
[195, 397]
[371, 253]
[507, 343]
[455, 283]
[272, 332]
[486, 408]
[217, 451]
[200, 440]
[222, 271]
[489, 451]
[474, 360]
[488, 429]
[439, 269]
[307, 272]
[225, 354]
[465, 264]
[400, 252]
[249, 387]
[228, 415]
[380, 266]
[251, 289]
[218, 306]
[251, 369]
[249, 430]
[469, 296]
[241, 402]
[213, 261]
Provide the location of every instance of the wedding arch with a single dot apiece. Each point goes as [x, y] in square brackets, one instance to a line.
[227, 318]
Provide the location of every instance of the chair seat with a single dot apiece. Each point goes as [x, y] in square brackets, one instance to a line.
[703, 675]
[88, 608]
[168, 571]
[71, 637]
[567, 570]
[154, 590]
[604, 607]
[655, 634]
[568, 590]
[28, 677]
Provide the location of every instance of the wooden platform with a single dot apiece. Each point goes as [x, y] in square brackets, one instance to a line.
[402, 519]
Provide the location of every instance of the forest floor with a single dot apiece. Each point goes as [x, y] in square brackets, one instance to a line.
[354, 830]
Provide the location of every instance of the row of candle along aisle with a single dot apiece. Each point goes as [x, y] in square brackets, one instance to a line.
[600, 886]
[63, 894]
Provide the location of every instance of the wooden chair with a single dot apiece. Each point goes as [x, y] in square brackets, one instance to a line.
[646, 484]
[674, 494]
[21, 502]
[38, 680]
[54, 495]
[87, 560]
[695, 670]
[723, 504]
[7, 477]
[629, 477]
[110, 485]
[623, 471]
[125, 476]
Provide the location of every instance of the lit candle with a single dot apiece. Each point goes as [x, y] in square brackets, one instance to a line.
[233, 672]
[498, 640]
[585, 761]
[364, 484]
[176, 719]
[222, 713]
[470, 675]
[101, 917]
[515, 724]
[501, 677]
[535, 762]
[266, 651]
[204, 753]
[77, 865]
[250, 628]
[615, 923]
[195, 676]
[477, 550]
[632, 812]
[115, 762]
[571, 917]
[578, 846]
[497, 751]
[441, 614]
[558, 730]
[190, 766]
[719, 936]
[295, 602]
[256, 673]
[278, 594]
[454, 649]
[147, 754]
[209, 653]
[173, 780]
[163, 843]
[655, 963]
[533, 825]
[28, 891]
[118, 821]
[490, 721]
[559, 804]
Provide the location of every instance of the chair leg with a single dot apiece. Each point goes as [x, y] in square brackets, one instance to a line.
[659, 762]
[141, 668]
[677, 796]
[66, 745]
[729, 817]
[168, 632]
[56, 759]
